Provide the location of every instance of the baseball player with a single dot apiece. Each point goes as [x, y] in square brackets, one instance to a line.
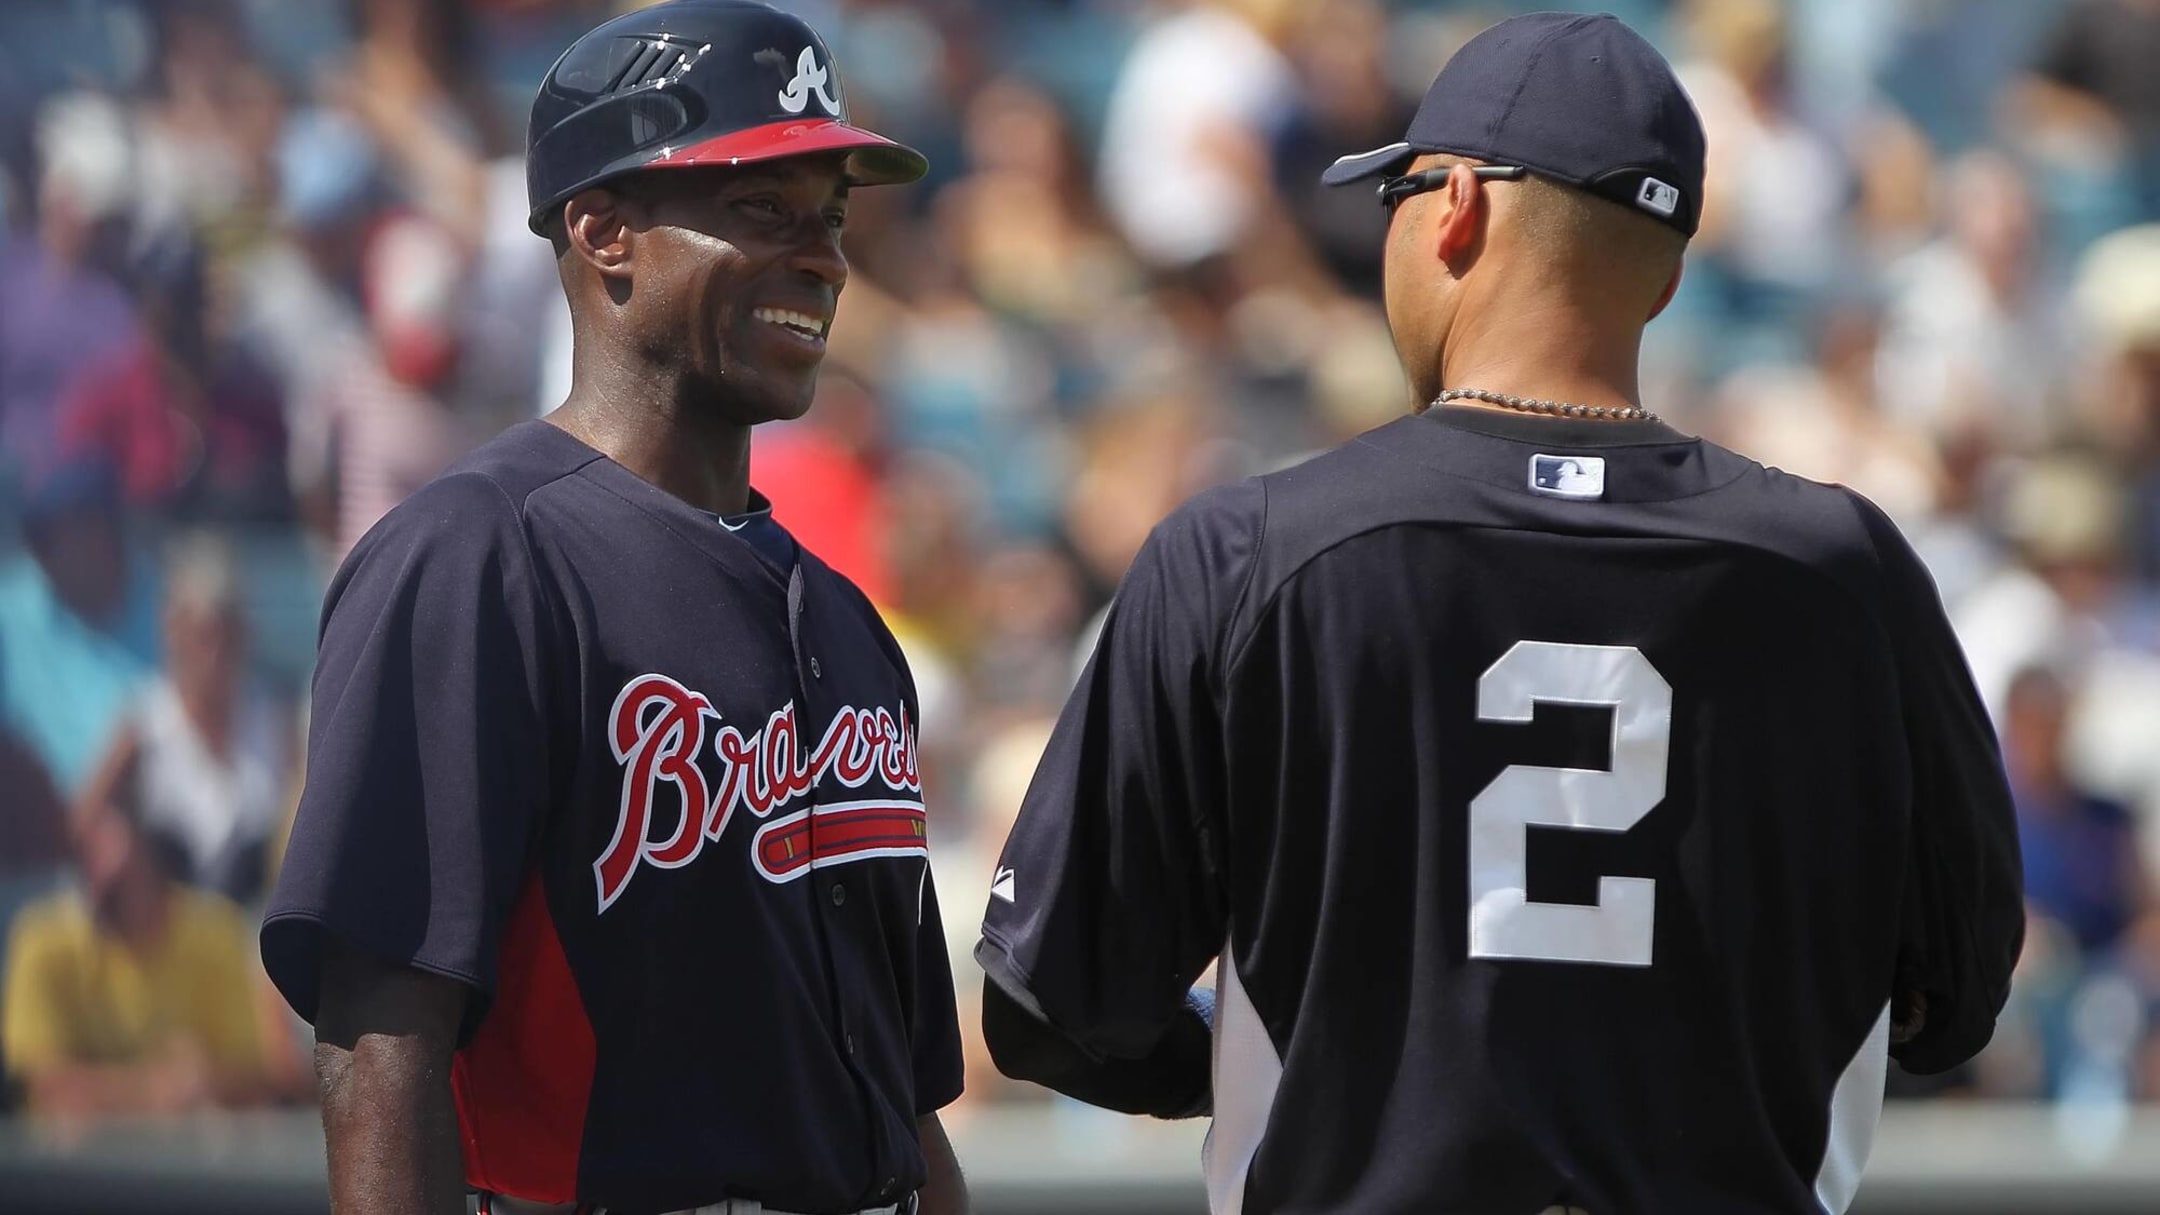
[608, 889]
[1579, 814]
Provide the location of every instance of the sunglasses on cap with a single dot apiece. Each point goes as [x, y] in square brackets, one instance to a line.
[1395, 189]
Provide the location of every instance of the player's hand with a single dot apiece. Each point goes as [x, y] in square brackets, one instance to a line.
[1909, 1018]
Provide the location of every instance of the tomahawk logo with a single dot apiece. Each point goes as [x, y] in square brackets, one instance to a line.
[809, 78]
[657, 730]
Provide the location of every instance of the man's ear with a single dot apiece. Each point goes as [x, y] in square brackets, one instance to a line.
[1672, 288]
[1462, 216]
[599, 232]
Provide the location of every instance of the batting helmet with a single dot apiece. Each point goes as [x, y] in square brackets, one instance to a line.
[693, 82]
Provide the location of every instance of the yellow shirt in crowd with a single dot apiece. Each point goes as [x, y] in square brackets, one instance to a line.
[76, 996]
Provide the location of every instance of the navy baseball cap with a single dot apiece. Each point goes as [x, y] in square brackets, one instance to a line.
[1577, 98]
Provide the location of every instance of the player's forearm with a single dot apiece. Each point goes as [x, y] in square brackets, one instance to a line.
[385, 1037]
[945, 1193]
[390, 1129]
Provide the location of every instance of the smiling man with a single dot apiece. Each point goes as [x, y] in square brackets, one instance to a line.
[609, 890]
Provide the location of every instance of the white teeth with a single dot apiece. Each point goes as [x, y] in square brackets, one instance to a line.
[801, 322]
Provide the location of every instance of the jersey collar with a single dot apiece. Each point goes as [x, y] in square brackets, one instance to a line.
[1647, 461]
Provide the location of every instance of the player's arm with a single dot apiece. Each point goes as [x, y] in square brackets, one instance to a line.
[428, 774]
[1172, 1080]
[1110, 899]
[945, 1193]
[384, 1036]
[1963, 919]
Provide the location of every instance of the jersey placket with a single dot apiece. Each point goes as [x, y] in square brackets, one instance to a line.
[828, 887]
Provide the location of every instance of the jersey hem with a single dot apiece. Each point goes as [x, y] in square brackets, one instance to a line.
[995, 957]
[308, 1007]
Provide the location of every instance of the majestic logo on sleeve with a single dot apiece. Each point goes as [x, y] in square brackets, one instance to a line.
[657, 730]
[809, 79]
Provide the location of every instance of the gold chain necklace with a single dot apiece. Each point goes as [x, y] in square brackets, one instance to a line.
[1558, 409]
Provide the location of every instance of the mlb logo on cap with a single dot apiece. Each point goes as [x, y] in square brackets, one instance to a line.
[1568, 476]
[1658, 197]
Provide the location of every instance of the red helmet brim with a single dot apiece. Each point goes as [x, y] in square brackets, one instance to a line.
[873, 161]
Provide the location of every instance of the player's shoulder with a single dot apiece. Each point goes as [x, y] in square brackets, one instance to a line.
[522, 459]
[1213, 537]
[1831, 528]
[481, 499]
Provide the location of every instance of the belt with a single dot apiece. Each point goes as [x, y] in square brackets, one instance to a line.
[502, 1204]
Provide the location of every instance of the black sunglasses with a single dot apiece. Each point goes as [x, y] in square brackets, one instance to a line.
[1395, 189]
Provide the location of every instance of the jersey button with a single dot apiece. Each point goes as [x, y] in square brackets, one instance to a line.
[851, 1044]
[839, 895]
[816, 672]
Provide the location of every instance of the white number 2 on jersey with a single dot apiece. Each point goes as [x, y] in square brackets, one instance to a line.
[1504, 923]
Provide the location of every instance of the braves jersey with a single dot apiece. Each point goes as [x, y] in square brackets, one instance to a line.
[1564, 800]
[654, 796]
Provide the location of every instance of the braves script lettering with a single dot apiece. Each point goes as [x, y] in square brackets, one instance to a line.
[657, 730]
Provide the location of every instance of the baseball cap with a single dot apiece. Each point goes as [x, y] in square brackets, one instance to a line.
[688, 83]
[1578, 98]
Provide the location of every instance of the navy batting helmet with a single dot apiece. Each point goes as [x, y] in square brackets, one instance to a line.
[693, 82]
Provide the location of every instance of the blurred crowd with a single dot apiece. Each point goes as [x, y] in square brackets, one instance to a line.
[265, 270]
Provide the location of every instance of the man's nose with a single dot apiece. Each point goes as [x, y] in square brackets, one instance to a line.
[821, 257]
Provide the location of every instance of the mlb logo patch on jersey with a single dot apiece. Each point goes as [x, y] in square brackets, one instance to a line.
[1568, 476]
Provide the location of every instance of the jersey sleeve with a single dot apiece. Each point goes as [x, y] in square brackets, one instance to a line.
[1108, 899]
[1963, 916]
[428, 748]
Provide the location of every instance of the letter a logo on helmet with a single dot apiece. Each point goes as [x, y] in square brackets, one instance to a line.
[809, 78]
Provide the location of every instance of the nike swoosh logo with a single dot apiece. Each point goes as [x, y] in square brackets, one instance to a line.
[1001, 884]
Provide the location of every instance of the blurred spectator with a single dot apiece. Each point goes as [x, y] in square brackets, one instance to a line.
[202, 761]
[132, 996]
[825, 484]
[1030, 237]
[408, 83]
[206, 130]
[373, 428]
[2118, 296]
[194, 424]
[2082, 865]
[1184, 162]
[2094, 79]
[1142, 456]
[1028, 602]
[1776, 191]
[60, 313]
[1975, 334]
[1821, 420]
[78, 630]
[2054, 605]
[1345, 102]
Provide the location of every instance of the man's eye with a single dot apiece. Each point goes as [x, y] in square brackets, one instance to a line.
[836, 220]
[760, 204]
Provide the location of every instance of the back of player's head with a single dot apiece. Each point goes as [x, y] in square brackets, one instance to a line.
[1554, 170]
[1576, 99]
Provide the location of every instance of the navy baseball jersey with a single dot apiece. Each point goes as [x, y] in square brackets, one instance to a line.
[1564, 801]
[648, 785]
